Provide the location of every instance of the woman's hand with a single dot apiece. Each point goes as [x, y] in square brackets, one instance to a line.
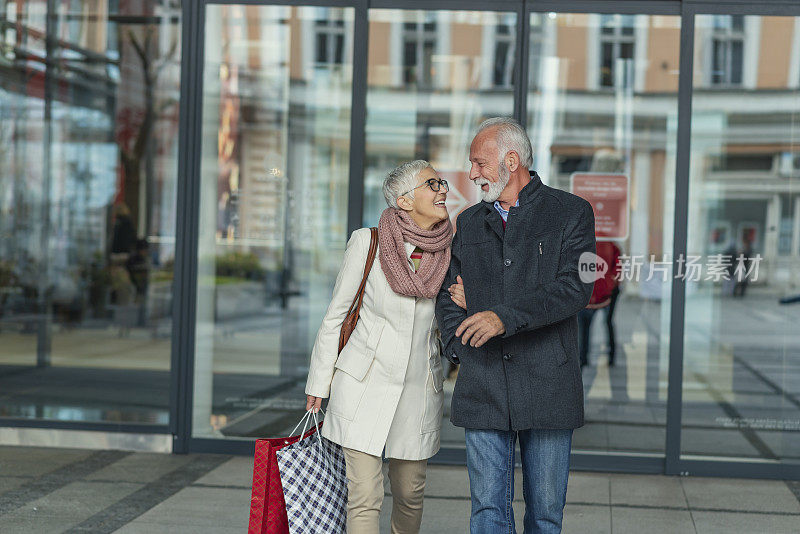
[313, 403]
[457, 293]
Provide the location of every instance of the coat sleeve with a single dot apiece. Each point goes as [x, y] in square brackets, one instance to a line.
[326, 346]
[566, 295]
[449, 314]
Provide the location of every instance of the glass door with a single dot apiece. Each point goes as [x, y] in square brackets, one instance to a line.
[741, 371]
[277, 90]
[602, 101]
[89, 121]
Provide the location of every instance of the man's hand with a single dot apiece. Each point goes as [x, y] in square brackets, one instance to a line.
[314, 403]
[457, 293]
[479, 328]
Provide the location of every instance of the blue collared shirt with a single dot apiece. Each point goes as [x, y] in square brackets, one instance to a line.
[503, 213]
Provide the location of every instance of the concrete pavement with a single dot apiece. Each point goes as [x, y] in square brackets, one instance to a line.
[78, 491]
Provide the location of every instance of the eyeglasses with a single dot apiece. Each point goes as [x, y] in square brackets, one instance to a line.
[434, 184]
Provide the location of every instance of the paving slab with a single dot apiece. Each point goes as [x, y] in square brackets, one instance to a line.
[625, 520]
[588, 488]
[726, 523]
[25, 523]
[145, 527]
[9, 483]
[740, 495]
[580, 519]
[208, 508]
[439, 516]
[36, 461]
[78, 500]
[236, 472]
[140, 468]
[648, 490]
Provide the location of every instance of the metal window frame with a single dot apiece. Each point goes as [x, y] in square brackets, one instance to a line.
[187, 215]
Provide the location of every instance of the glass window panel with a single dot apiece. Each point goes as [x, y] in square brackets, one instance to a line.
[626, 51]
[737, 61]
[411, 121]
[409, 62]
[339, 57]
[607, 65]
[322, 48]
[579, 133]
[273, 212]
[741, 370]
[500, 60]
[88, 166]
[719, 63]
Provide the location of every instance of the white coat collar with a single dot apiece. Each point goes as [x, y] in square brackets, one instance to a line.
[409, 249]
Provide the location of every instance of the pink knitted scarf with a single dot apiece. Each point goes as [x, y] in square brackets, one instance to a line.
[397, 227]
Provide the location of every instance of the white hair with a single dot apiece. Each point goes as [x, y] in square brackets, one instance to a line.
[402, 181]
[511, 136]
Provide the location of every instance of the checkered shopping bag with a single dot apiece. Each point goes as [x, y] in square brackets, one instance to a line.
[314, 485]
[267, 507]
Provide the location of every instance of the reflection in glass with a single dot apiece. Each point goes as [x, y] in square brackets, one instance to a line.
[603, 125]
[88, 130]
[742, 347]
[433, 77]
[273, 208]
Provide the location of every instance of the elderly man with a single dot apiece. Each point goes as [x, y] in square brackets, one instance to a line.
[515, 264]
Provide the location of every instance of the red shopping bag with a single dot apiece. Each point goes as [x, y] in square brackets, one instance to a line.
[267, 506]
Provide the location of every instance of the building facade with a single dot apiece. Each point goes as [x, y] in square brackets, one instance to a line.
[179, 180]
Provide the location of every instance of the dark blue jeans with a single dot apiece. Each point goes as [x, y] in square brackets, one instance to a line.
[545, 471]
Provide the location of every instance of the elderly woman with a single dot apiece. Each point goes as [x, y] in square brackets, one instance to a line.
[385, 387]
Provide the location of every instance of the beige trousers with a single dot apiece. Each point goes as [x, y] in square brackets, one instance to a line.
[365, 493]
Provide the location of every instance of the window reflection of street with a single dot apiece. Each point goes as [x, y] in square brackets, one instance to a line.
[277, 97]
[88, 131]
[741, 345]
[597, 108]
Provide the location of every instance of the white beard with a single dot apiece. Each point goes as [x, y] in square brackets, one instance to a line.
[495, 188]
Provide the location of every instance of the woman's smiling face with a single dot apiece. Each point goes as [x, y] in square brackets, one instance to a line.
[427, 207]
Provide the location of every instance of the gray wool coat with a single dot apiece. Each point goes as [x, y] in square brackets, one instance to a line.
[528, 275]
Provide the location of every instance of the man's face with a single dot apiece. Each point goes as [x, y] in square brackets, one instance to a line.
[486, 170]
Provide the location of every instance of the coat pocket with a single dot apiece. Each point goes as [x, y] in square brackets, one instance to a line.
[547, 252]
[350, 378]
[437, 373]
[561, 356]
[356, 363]
[434, 398]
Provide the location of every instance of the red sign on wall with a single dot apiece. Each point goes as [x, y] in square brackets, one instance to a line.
[608, 195]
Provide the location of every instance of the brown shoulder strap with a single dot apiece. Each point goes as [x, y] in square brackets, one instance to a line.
[373, 250]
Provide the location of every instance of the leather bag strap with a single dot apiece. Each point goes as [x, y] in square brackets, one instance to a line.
[355, 307]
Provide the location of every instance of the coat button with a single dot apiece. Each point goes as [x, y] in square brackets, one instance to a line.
[507, 262]
[506, 357]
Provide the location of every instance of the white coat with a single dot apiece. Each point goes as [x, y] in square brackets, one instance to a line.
[385, 387]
